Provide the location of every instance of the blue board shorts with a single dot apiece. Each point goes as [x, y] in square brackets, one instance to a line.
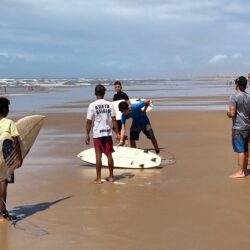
[240, 140]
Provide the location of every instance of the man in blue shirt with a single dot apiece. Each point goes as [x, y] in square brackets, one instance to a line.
[140, 122]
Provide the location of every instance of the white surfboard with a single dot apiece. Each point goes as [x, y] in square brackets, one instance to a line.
[125, 157]
[132, 100]
[28, 128]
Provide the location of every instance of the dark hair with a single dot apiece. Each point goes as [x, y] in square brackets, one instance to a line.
[123, 106]
[4, 104]
[100, 90]
[241, 82]
[117, 83]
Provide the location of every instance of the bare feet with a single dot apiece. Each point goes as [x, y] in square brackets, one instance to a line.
[110, 179]
[239, 174]
[97, 181]
[100, 181]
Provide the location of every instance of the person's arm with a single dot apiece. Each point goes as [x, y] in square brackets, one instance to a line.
[115, 127]
[19, 160]
[126, 98]
[88, 129]
[231, 112]
[122, 134]
[147, 103]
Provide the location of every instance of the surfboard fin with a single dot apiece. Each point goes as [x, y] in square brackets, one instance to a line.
[141, 165]
[145, 151]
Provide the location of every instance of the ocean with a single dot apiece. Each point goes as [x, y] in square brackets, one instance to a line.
[204, 93]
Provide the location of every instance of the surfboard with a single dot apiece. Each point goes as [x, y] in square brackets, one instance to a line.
[125, 157]
[28, 128]
[132, 100]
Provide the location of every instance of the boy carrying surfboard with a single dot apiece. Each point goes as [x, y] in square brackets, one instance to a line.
[8, 126]
[101, 113]
[140, 123]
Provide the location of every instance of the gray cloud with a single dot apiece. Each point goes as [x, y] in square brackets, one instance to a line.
[127, 38]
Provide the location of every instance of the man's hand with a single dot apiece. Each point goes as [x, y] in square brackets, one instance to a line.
[118, 137]
[231, 112]
[87, 140]
[121, 143]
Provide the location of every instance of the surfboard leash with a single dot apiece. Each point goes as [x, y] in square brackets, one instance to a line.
[170, 159]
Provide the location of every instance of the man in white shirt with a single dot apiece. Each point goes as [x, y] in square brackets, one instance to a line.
[101, 113]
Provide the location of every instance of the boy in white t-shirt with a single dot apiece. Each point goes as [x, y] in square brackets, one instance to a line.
[7, 125]
[101, 113]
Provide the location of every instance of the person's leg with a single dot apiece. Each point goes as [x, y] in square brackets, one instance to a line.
[111, 168]
[241, 157]
[148, 131]
[108, 149]
[98, 155]
[246, 163]
[135, 131]
[155, 144]
[240, 145]
[3, 198]
[3, 195]
[132, 143]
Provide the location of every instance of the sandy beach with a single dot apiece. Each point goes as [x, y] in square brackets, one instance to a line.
[189, 205]
[187, 58]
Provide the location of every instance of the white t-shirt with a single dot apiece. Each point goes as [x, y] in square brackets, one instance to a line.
[100, 112]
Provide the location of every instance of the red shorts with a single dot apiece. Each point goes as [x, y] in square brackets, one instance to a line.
[104, 144]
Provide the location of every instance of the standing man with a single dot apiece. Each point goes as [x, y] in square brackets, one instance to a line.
[140, 122]
[101, 113]
[120, 95]
[239, 111]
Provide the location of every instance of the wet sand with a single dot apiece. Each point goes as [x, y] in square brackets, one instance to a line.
[189, 205]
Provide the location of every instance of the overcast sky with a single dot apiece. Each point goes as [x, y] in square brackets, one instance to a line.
[124, 38]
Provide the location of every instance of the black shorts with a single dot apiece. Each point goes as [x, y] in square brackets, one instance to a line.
[135, 131]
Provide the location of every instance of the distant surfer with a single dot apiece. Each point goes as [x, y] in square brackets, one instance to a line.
[140, 122]
[7, 125]
[239, 111]
[101, 113]
[120, 95]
